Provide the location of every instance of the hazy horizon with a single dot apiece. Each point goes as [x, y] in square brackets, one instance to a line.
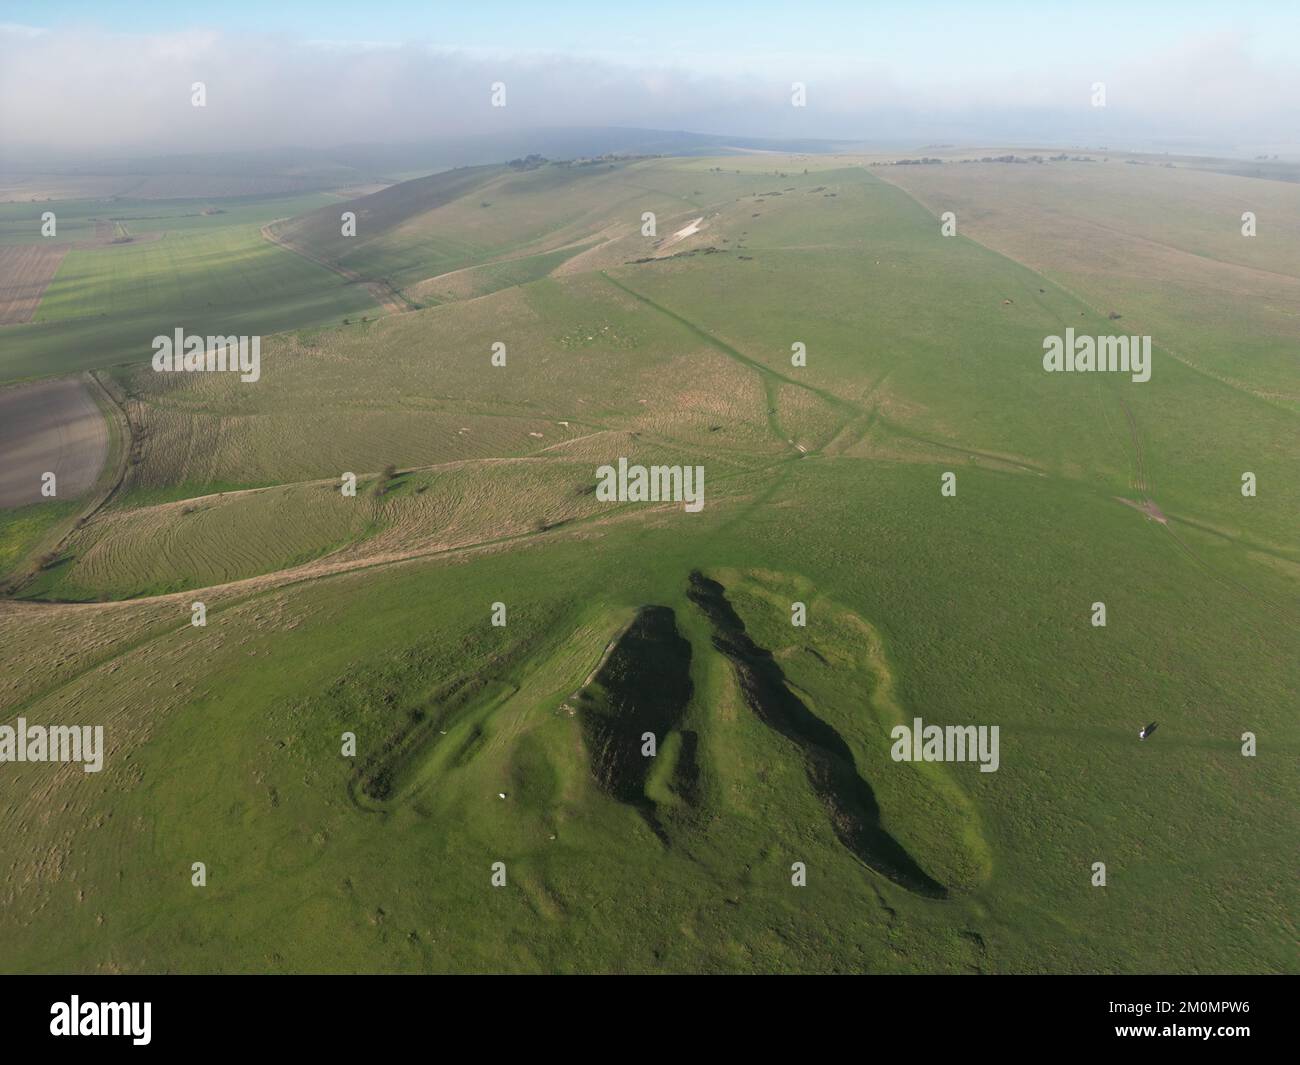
[326, 75]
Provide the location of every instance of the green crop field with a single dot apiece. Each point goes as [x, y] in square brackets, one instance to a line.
[20, 223]
[207, 273]
[514, 750]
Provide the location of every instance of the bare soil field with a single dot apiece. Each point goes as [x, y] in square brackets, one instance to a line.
[49, 426]
[25, 271]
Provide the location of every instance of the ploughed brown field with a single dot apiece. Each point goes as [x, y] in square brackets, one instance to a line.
[25, 271]
[49, 426]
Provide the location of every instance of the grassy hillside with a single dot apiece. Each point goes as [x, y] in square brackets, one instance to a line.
[522, 743]
[418, 233]
[1163, 249]
[405, 886]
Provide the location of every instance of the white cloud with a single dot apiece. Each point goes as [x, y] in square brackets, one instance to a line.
[82, 89]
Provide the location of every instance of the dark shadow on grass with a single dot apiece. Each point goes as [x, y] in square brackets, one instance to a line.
[847, 798]
[644, 686]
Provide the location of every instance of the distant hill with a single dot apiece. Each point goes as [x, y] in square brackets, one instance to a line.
[283, 171]
[531, 212]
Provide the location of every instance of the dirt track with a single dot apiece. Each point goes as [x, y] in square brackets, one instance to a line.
[49, 426]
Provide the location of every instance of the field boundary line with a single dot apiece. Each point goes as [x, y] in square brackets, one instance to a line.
[384, 293]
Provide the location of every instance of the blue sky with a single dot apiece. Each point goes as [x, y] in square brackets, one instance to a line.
[1218, 74]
